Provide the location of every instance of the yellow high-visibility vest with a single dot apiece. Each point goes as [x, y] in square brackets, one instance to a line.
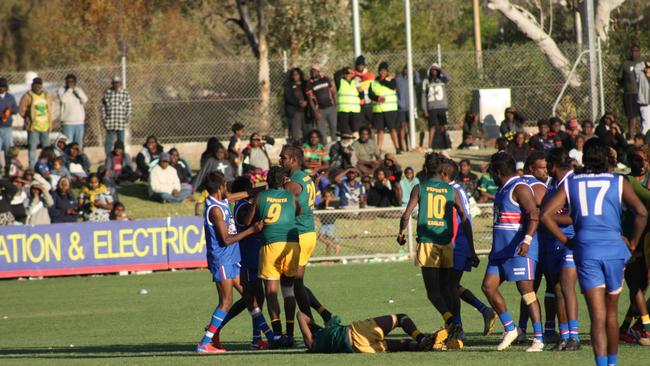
[390, 98]
[348, 97]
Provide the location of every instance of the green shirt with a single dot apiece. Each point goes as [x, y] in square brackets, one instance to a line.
[278, 210]
[435, 213]
[332, 339]
[486, 184]
[628, 215]
[306, 198]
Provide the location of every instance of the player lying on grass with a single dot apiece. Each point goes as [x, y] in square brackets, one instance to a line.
[364, 336]
[222, 242]
[595, 197]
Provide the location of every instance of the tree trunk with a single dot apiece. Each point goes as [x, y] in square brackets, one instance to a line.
[604, 10]
[264, 72]
[527, 25]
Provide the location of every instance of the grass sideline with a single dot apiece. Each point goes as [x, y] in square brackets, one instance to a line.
[109, 323]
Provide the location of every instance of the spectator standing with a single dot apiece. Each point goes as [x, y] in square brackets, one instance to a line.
[513, 123]
[36, 107]
[8, 107]
[643, 98]
[73, 115]
[295, 103]
[467, 179]
[236, 146]
[164, 184]
[96, 200]
[38, 204]
[349, 96]
[316, 156]
[65, 206]
[119, 165]
[7, 192]
[628, 79]
[383, 93]
[116, 113]
[403, 112]
[321, 94]
[408, 181]
[255, 155]
[365, 78]
[148, 156]
[434, 99]
[341, 152]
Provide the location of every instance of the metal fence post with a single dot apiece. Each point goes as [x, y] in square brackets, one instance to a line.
[411, 239]
[439, 55]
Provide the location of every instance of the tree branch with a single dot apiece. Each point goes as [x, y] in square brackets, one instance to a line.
[603, 14]
[247, 27]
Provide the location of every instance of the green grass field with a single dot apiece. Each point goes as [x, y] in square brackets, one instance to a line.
[104, 321]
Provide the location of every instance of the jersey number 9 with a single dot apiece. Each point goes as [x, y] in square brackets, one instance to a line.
[436, 206]
[274, 213]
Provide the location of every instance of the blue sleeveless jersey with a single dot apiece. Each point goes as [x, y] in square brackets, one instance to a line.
[509, 223]
[219, 254]
[249, 247]
[461, 245]
[547, 241]
[596, 209]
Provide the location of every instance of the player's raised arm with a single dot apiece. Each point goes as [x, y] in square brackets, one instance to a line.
[548, 215]
[640, 214]
[404, 221]
[523, 195]
[252, 213]
[216, 218]
[466, 225]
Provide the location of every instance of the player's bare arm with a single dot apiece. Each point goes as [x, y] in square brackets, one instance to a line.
[216, 217]
[404, 221]
[303, 323]
[540, 194]
[523, 195]
[252, 213]
[548, 215]
[466, 227]
[293, 187]
[633, 202]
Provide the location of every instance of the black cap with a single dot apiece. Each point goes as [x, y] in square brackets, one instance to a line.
[3, 82]
[37, 80]
[360, 60]
[383, 65]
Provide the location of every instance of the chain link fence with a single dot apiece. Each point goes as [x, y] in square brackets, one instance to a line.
[185, 102]
[370, 234]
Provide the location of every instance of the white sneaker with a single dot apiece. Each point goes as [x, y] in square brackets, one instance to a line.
[508, 338]
[521, 335]
[537, 346]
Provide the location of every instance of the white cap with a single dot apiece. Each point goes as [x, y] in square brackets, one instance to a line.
[116, 79]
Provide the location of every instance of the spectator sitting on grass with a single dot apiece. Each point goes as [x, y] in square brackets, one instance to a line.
[316, 156]
[77, 163]
[16, 167]
[44, 164]
[468, 142]
[407, 183]
[37, 206]
[381, 193]
[19, 201]
[164, 184]
[467, 179]
[351, 191]
[486, 186]
[472, 125]
[181, 165]
[255, 155]
[95, 200]
[341, 152]
[7, 192]
[513, 123]
[210, 150]
[327, 231]
[542, 140]
[119, 166]
[58, 171]
[216, 163]
[59, 145]
[501, 144]
[519, 148]
[119, 213]
[556, 128]
[65, 207]
[572, 132]
[588, 130]
[366, 151]
[148, 156]
[639, 139]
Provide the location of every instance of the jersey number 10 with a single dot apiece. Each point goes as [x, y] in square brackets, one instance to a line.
[602, 186]
[436, 206]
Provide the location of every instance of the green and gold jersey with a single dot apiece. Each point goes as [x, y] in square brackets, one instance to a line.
[306, 198]
[332, 339]
[277, 209]
[435, 212]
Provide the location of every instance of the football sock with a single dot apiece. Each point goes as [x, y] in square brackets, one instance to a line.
[409, 327]
[573, 329]
[289, 328]
[645, 319]
[260, 325]
[506, 320]
[314, 303]
[523, 324]
[276, 325]
[215, 322]
[537, 331]
[324, 313]
[417, 335]
[549, 327]
[601, 360]
[469, 298]
[564, 331]
[612, 360]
